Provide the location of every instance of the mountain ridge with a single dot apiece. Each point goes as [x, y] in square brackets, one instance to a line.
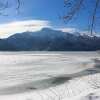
[49, 40]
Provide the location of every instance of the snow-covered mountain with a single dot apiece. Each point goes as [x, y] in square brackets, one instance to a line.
[49, 40]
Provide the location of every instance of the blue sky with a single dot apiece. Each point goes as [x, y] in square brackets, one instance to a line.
[47, 11]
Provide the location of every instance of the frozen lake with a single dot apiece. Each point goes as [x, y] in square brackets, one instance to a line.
[25, 72]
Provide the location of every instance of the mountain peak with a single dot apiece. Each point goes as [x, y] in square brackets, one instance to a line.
[51, 40]
[47, 29]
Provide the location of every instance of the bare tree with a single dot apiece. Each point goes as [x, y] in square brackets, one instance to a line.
[6, 4]
[94, 16]
[75, 6]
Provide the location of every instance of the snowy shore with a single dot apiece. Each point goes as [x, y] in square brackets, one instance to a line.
[50, 76]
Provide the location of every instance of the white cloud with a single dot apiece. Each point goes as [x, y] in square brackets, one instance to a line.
[73, 30]
[68, 29]
[22, 26]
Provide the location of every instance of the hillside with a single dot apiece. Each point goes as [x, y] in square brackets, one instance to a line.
[49, 40]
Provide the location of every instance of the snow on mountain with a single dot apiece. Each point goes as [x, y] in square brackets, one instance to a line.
[49, 40]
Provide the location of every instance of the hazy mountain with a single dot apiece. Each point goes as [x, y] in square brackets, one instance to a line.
[49, 40]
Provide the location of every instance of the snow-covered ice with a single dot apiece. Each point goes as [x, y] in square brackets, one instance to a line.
[49, 76]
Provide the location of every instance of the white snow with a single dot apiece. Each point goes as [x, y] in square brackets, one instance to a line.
[49, 76]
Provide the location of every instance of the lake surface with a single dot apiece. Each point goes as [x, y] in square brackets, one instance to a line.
[28, 71]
